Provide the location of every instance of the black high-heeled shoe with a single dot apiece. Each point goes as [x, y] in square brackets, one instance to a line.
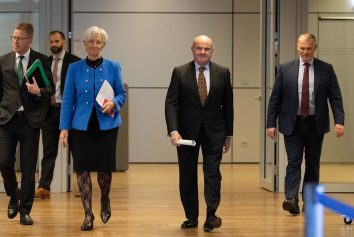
[88, 223]
[105, 210]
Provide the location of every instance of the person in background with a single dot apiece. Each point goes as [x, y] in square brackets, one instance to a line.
[199, 106]
[59, 60]
[299, 101]
[92, 128]
[23, 108]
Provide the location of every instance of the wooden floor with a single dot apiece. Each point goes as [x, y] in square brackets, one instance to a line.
[145, 203]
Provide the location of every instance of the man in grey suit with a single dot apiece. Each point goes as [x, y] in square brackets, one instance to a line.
[199, 106]
[23, 107]
[299, 101]
[59, 61]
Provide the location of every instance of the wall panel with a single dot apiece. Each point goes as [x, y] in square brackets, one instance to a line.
[153, 6]
[152, 44]
[247, 50]
[247, 5]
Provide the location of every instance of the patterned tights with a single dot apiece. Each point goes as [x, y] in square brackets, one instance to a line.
[85, 187]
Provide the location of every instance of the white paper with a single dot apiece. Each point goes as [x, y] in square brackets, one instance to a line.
[105, 94]
[187, 142]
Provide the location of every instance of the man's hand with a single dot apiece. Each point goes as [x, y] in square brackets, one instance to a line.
[339, 130]
[33, 88]
[272, 133]
[227, 144]
[174, 138]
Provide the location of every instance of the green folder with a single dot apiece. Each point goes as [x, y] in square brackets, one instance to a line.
[38, 72]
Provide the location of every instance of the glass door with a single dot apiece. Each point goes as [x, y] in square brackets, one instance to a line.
[269, 57]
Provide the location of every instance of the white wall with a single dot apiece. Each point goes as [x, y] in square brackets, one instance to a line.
[150, 37]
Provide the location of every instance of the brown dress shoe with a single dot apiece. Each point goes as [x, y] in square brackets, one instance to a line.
[42, 193]
[45, 194]
[37, 193]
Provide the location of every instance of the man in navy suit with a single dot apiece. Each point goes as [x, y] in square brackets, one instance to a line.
[304, 119]
[205, 117]
[23, 108]
[59, 61]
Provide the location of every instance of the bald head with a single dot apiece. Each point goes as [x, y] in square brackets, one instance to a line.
[202, 38]
[202, 49]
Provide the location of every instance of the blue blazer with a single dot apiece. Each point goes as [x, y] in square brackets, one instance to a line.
[81, 88]
[284, 100]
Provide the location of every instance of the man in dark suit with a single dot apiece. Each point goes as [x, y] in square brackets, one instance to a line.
[23, 107]
[199, 106]
[59, 61]
[299, 98]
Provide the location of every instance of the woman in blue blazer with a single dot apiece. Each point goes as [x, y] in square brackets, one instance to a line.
[93, 125]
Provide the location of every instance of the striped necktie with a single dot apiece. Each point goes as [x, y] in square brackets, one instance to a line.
[20, 70]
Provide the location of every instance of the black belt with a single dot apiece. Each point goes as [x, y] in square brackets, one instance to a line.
[306, 117]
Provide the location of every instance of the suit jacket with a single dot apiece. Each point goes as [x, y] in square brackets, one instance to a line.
[183, 109]
[35, 107]
[68, 58]
[79, 99]
[284, 100]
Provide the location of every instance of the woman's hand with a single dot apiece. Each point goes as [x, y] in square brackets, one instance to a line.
[64, 137]
[108, 107]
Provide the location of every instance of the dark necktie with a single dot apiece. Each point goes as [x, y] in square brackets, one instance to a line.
[20, 70]
[55, 77]
[55, 70]
[305, 103]
[202, 87]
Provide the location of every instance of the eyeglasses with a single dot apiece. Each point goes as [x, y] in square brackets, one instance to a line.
[15, 38]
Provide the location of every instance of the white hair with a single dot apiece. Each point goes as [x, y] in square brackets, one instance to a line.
[92, 32]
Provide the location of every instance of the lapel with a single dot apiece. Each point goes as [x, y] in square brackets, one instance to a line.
[213, 80]
[31, 58]
[192, 81]
[12, 61]
[65, 65]
[294, 74]
[317, 77]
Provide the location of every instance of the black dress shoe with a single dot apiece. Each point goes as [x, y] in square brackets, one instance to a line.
[292, 206]
[88, 223]
[12, 208]
[105, 210]
[189, 224]
[212, 223]
[25, 219]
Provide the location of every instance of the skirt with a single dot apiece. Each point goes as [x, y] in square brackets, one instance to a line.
[94, 149]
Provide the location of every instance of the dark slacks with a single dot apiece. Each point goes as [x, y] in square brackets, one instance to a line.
[18, 130]
[304, 139]
[50, 141]
[188, 175]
